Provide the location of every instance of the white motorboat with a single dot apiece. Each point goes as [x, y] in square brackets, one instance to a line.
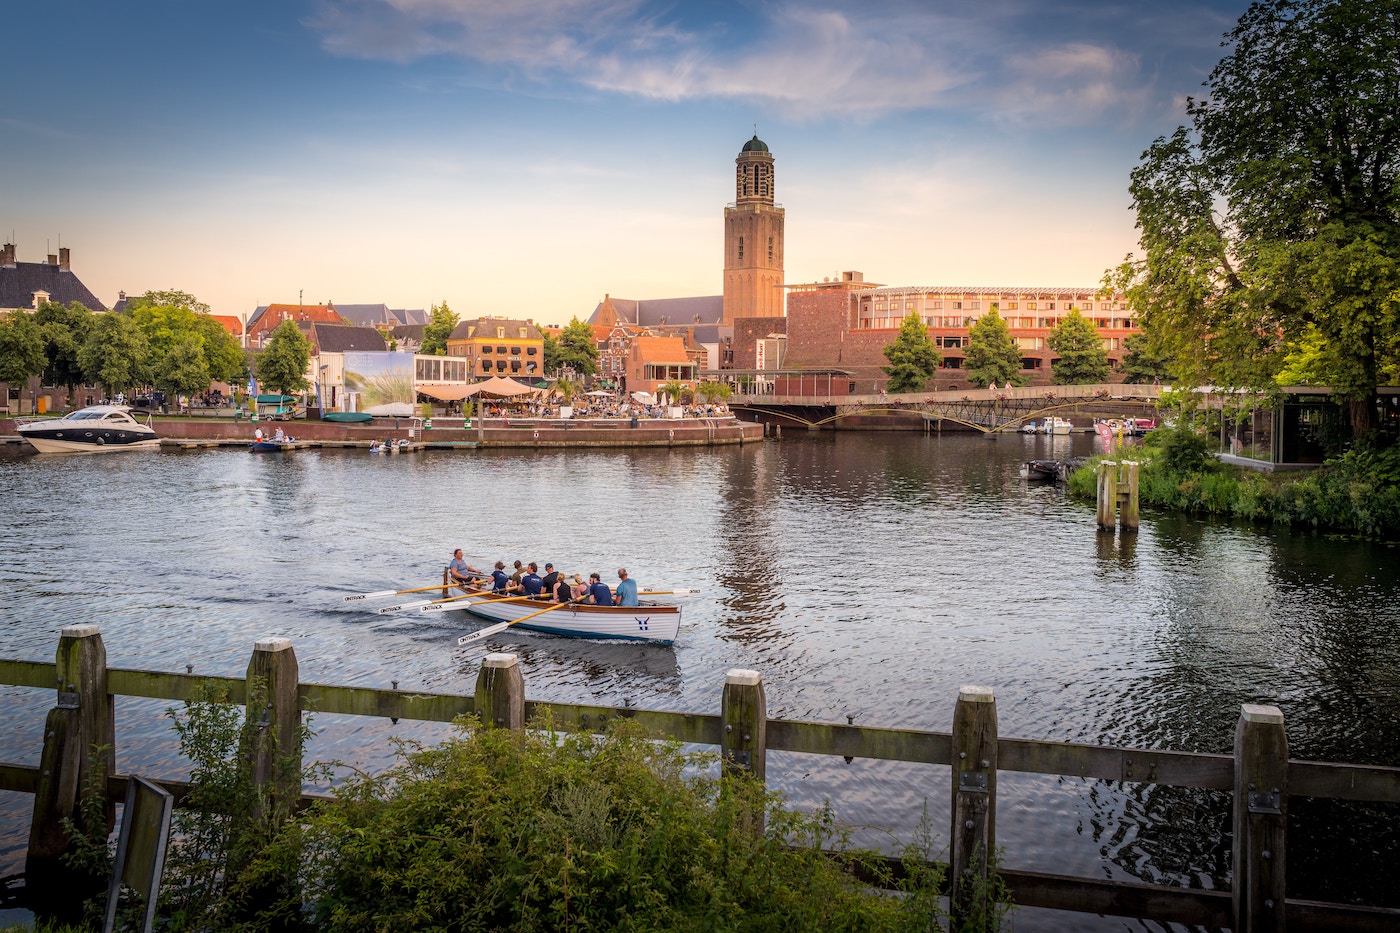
[95, 429]
[1053, 425]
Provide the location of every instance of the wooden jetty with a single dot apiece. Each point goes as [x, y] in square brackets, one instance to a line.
[1259, 774]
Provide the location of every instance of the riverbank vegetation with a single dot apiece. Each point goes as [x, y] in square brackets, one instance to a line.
[535, 831]
[1358, 491]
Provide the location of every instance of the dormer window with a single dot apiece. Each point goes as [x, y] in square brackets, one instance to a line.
[500, 333]
[522, 332]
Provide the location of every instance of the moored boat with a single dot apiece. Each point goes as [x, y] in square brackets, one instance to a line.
[348, 417]
[1053, 425]
[95, 429]
[653, 622]
[1045, 470]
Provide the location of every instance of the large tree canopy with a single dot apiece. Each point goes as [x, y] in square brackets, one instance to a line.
[115, 354]
[21, 349]
[435, 334]
[913, 357]
[281, 365]
[64, 327]
[1271, 226]
[1080, 356]
[577, 349]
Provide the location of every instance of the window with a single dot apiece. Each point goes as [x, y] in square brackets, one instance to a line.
[741, 249]
[1050, 306]
[938, 305]
[500, 366]
[530, 367]
[500, 332]
[485, 349]
[501, 350]
[1030, 306]
[486, 366]
[514, 351]
[515, 366]
[974, 306]
[770, 251]
[522, 332]
[530, 351]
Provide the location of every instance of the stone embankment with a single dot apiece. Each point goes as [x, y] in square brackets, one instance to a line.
[452, 433]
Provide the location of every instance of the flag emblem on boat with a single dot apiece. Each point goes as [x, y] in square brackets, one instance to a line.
[643, 624]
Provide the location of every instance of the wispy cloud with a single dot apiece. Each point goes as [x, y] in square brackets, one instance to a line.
[842, 58]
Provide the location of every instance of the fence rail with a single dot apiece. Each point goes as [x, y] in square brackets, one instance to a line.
[1259, 774]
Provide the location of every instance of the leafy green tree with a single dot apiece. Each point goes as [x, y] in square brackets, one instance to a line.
[1279, 209]
[913, 358]
[170, 298]
[115, 354]
[222, 352]
[567, 389]
[714, 392]
[281, 365]
[992, 354]
[65, 327]
[1143, 360]
[578, 348]
[21, 350]
[679, 392]
[183, 370]
[551, 355]
[435, 335]
[1082, 357]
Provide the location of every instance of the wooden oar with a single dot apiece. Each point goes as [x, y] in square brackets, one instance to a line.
[425, 603]
[383, 593]
[502, 626]
[669, 593]
[441, 605]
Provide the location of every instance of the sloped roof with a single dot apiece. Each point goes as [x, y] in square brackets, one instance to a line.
[412, 315]
[663, 312]
[485, 328]
[412, 332]
[660, 349]
[337, 338]
[231, 324]
[19, 282]
[270, 316]
[366, 315]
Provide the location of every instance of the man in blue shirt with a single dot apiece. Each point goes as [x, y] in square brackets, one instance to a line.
[500, 580]
[598, 592]
[626, 590]
[531, 584]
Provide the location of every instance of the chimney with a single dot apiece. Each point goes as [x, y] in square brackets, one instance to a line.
[53, 259]
[63, 262]
[7, 254]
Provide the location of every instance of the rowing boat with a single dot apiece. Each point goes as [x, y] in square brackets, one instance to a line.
[653, 622]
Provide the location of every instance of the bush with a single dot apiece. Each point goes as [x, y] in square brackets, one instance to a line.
[494, 830]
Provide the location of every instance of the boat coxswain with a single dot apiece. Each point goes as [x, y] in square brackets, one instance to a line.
[460, 572]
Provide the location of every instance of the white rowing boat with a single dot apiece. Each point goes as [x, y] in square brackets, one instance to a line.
[654, 622]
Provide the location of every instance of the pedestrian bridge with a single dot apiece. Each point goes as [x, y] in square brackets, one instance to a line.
[987, 410]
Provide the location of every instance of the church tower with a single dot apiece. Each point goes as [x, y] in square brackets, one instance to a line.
[753, 239]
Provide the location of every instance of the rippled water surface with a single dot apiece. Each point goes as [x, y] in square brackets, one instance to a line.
[864, 575]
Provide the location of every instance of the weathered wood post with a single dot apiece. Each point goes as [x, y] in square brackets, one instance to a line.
[1128, 497]
[744, 710]
[743, 742]
[1260, 819]
[78, 749]
[973, 837]
[500, 692]
[274, 713]
[446, 579]
[1107, 494]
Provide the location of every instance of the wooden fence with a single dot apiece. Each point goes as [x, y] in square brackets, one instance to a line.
[1260, 775]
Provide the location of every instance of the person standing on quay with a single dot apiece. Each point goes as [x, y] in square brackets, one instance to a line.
[626, 590]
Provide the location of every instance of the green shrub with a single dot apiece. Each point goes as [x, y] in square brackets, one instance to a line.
[494, 830]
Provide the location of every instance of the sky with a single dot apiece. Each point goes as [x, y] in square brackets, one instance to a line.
[524, 158]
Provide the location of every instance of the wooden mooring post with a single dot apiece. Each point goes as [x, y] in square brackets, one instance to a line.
[972, 841]
[1260, 818]
[1118, 495]
[79, 751]
[274, 708]
[500, 692]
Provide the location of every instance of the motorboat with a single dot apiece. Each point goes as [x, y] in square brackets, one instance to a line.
[95, 429]
[1043, 470]
[1029, 428]
[1053, 425]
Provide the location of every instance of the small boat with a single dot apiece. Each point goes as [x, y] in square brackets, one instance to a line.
[1029, 428]
[95, 429]
[390, 446]
[348, 417]
[1053, 425]
[1043, 470]
[653, 622]
[272, 445]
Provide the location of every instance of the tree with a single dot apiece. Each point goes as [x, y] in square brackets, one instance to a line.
[64, 327]
[1082, 358]
[712, 392]
[435, 334]
[21, 351]
[281, 366]
[578, 348]
[170, 298]
[551, 355]
[992, 354]
[222, 352]
[913, 357]
[1143, 360]
[184, 371]
[1279, 209]
[115, 354]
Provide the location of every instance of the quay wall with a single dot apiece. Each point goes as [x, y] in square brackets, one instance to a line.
[489, 432]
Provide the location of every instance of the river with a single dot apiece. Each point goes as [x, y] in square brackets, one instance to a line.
[864, 575]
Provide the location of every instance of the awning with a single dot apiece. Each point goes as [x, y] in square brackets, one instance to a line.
[447, 393]
[500, 387]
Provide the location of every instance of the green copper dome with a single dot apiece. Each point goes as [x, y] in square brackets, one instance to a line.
[755, 145]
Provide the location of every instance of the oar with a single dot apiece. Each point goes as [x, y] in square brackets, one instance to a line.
[383, 593]
[502, 626]
[441, 605]
[669, 593]
[423, 604]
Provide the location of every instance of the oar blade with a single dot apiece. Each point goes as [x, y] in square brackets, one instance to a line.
[483, 633]
[379, 595]
[401, 607]
[440, 607]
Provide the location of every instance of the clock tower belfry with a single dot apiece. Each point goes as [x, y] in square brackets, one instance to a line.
[753, 239]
